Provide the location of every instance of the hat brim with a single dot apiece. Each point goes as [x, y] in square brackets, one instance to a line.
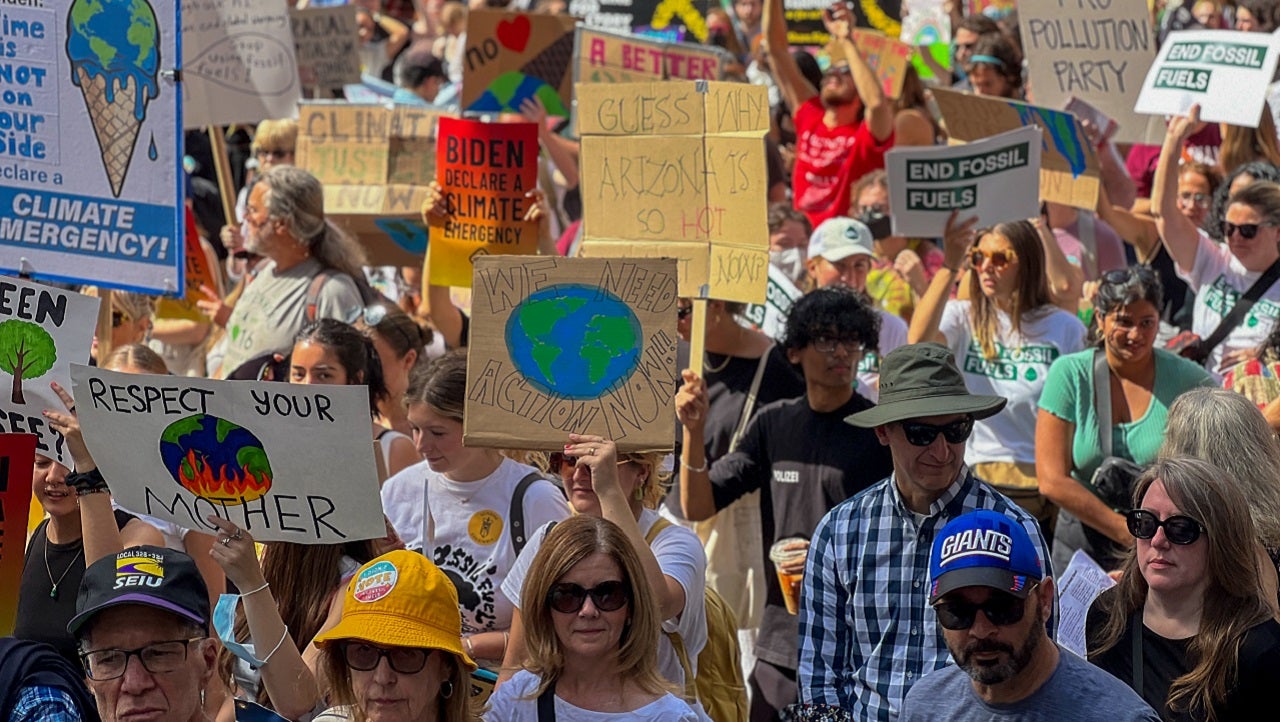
[977, 406]
[77, 622]
[1019, 585]
[389, 630]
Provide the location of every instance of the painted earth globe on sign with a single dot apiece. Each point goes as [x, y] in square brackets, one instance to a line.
[216, 459]
[574, 341]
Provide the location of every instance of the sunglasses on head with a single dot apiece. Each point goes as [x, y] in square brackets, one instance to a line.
[922, 434]
[568, 598]
[365, 657]
[999, 259]
[1247, 230]
[1001, 610]
[1178, 529]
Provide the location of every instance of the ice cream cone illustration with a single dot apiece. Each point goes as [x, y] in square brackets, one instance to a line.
[114, 48]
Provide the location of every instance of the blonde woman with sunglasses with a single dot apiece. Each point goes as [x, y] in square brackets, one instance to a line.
[1005, 335]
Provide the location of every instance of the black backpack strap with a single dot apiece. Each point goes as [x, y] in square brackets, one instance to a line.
[516, 516]
[547, 704]
[313, 294]
[1238, 311]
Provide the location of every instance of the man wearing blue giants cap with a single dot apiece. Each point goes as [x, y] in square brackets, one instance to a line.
[992, 600]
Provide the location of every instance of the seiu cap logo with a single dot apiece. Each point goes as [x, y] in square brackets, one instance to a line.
[139, 569]
[376, 582]
[975, 542]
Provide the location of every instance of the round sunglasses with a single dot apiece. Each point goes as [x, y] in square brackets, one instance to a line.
[1001, 610]
[364, 657]
[568, 598]
[1178, 529]
[999, 259]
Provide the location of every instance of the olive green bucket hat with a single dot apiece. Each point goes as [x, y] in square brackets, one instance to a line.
[922, 379]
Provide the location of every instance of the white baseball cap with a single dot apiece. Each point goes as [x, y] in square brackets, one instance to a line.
[838, 238]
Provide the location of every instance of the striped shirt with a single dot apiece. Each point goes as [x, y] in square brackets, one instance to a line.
[867, 632]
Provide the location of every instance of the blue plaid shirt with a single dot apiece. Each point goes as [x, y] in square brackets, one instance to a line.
[44, 704]
[867, 632]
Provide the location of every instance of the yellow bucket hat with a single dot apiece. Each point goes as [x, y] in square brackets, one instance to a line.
[401, 599]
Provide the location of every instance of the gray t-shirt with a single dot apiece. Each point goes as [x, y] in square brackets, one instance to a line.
[273, 309]
[1077, 692]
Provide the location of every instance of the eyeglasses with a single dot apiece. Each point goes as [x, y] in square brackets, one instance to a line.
[1178, 529]
[999, 259]
[568, 598]
[922, 434]
[1247, 230]
[156, 658]
[1200, 200]
[1001, 610]
[273, 154]
[683, 312]
[364, 657]
[822, 344]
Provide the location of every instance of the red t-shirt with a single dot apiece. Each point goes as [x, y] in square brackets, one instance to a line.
[829, 161]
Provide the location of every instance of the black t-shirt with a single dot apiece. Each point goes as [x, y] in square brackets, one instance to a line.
[1164, 660]
[43, 615]
[1178, 298]
[803, 463]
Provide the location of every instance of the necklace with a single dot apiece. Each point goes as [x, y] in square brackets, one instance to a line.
[53, 593]
[716, 369]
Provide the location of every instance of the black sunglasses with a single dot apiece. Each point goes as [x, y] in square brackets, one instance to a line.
[683, 312]
[1178, 529]
[559, 459]
[365, 657]
[922, 434]
[1247, 230]
[568, 598]
[1001, 610]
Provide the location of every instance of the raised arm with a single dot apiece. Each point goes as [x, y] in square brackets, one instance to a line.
[1181, 237]
[696, 499]
[1066, 280]
[445, 316]
[796, 91]
[957, 239]
[1137, 230]
[878, 110]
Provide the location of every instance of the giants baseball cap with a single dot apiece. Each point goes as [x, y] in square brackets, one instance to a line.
[983, 549]
[150, 576]
[838, 238]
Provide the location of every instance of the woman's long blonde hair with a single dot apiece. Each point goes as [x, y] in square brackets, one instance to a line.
[1030, 295]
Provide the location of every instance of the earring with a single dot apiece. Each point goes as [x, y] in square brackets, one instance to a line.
[446, 689]
[640, 492]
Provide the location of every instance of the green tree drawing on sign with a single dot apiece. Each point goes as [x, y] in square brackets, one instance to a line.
[27, 351]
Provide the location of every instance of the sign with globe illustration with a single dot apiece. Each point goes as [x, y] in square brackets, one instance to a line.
[572, 345]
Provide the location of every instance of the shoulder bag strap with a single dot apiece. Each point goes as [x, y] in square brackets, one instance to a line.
[1238, 311]
[547, 704]
[749, 406]
[1136, 625]
[1102, 399]
[516, 516]
[313, 294]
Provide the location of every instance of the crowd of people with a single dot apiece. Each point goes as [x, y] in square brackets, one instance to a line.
[867, 512]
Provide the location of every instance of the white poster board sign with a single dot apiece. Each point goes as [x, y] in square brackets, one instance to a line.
[1078, 586]
[238, 62]
[43, 331]
[1225, 71]
[996, 179]
[770, 317]
[285, 462]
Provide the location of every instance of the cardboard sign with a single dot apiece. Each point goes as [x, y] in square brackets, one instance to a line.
[285, 462]
[43, 331]
[90, 171]
[326, 42]
[887, 58]
[375, 163]
[1096, 50]
[17, 457]
[806, 29]
[770, 317]
[485, 170]
[238, 62]
[572, 345]
[1227, 72]
[603, 57]
[678, 170]
[200, 272]
[1068, 166]
[677, 17]
[512, 57]
[994, 179]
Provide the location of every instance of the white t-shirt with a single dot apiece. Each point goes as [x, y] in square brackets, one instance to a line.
[513, 702]
[1219, 281]
[681, 557]
[893, 333]
[466, 532]
[1017, 373]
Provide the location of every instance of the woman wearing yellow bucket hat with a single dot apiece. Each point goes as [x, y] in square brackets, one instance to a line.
[396, 655]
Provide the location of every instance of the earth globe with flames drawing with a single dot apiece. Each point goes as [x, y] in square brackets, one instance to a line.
[216, 459]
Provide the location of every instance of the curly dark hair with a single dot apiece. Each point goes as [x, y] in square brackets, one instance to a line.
[835, 311]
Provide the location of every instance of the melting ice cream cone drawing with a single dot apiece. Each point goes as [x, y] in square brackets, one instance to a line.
[114, 48]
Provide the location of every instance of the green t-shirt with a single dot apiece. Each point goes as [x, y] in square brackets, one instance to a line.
[1068, 394]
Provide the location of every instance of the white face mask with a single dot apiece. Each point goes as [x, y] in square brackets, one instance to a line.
[791, 262]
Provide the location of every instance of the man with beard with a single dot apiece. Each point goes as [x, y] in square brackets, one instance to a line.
[842, 129]
[992, 602]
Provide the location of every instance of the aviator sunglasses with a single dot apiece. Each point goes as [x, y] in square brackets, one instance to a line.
[1001, 610]
[1178, 529]
[568, 598]
[922, 434]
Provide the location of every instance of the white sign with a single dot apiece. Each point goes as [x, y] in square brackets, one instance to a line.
[1078, 586]
[1225, 71]
[285, 462]
[90, 128]
[996, 179]
[770, 317]
[43, 331]
[238, 62]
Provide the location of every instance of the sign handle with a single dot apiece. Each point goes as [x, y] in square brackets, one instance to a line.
[222, 167]
[698, 335]
[104, 324]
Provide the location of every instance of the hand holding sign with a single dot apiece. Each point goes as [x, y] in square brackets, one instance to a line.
[68, 424]
[839, 21]
[957, 240]
[1182, 127]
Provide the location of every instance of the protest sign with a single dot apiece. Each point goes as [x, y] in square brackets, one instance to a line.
[1068, 166]
[64, 214]
[17, 457]
[484, 170]
[677, 170]
[887, 58]
[512, 57]
[284, 462]
[994, 179]
[375, 163]
[770, 317]
[326, 42]
[200, 272]
[928, 29]
[626, 16]
[1096, 50]
[603, 57]
[571, 345]
[238, 62]
[1226, 72]
[806, 29]
[43, 330]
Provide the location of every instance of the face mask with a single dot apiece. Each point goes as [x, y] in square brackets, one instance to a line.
[224, 623]
[791, 262]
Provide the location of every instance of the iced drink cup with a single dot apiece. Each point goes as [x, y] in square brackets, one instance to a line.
[790, 582]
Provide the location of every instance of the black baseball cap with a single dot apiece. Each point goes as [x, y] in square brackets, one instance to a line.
[151, 576]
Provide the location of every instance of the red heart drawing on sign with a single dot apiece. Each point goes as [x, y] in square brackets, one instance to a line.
[514, 33]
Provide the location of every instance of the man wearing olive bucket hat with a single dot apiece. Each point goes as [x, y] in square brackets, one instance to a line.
[867, 632]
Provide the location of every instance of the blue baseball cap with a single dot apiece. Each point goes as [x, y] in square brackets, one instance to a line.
[983, 549]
